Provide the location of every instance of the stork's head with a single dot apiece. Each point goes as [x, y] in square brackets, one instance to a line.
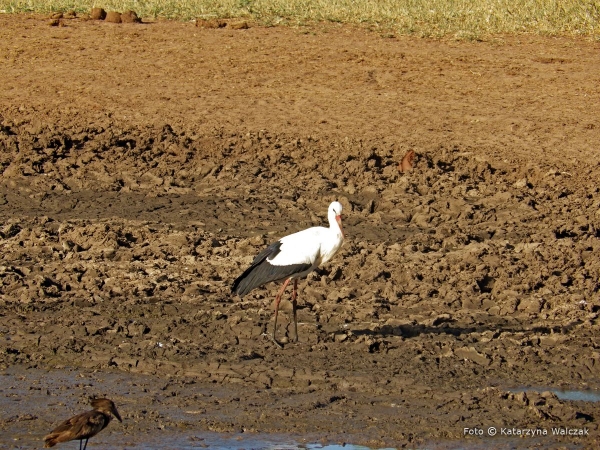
[335, 212]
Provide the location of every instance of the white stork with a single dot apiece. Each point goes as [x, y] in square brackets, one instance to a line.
[293, 257]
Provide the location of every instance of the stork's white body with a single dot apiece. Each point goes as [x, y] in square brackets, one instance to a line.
[314, 246]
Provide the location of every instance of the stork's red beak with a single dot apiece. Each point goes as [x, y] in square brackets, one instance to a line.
[338, 219]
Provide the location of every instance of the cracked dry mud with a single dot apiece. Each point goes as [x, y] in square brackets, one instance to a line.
[144, 165]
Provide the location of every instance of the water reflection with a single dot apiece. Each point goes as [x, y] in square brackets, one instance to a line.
[571, 395]
[216, 441]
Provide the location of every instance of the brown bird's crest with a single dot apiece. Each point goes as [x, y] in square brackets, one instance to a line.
[84, 425]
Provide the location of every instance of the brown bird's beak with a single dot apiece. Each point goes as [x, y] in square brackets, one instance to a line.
[338, 219]
[116, 413]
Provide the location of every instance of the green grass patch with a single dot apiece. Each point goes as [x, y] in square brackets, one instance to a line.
[464, 19]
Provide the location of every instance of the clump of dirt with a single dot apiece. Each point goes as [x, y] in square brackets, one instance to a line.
[471, 273]
[211, 23]
[98, 14]
[130, 16]
[113, 17]
[222, 23]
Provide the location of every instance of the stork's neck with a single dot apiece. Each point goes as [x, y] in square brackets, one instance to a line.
[335, 224]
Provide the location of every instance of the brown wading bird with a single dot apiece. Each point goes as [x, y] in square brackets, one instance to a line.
[84, 425]
[293, 257]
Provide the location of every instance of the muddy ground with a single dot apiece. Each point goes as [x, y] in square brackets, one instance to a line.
[144, 165]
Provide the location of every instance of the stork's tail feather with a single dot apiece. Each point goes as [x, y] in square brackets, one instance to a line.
[263, 273]
[249, 280]
[236, 288]
[245, 282]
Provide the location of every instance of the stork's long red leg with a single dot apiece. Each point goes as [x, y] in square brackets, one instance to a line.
[294, 295]
[277, 301]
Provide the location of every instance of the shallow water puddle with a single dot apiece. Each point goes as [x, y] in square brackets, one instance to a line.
[253, 443]
[172, 439]
[33, 401]
[582, 396]
[570, 395]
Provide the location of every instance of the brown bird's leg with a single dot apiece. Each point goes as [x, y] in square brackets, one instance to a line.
[277, 301]
[294, 295]
[85, 446]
